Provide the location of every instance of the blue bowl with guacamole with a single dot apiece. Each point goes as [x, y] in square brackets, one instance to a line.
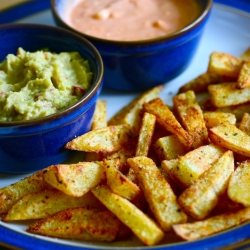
[32, 136]
[137, 62]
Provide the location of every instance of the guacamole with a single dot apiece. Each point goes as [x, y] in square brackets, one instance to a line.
[41, 83]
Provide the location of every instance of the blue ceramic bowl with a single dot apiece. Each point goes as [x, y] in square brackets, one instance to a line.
[139, 65]
[28, 146]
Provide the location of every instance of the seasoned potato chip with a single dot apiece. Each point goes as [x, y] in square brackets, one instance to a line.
[78, 223]
[166, 118]
[199, 199]
[158, 193]
[142, 226]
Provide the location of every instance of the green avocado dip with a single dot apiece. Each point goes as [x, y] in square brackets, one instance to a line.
[38, 84]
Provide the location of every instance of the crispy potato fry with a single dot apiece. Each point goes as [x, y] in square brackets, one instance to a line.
[99, 121]
[142, 226]
[199, 199]
[41, 204]
[201, 82]
[166, 118]
[119, 183]
[169, 147]
[186, 169]
[158, 193]
[145, 134]
[130, 114]
[100, 115]
[232, 138]
[224, 64]
[109, 139]
[245, 56]
[239, 184]
[237, 110]
[78, 223]
[213, 119]
[127, 151]
[243, 80]
[10, 194]
[227, 94]
[245, 123]
[199, 229]
[191, 117]
[75, 179]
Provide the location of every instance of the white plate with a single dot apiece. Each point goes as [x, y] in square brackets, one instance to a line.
[227, 31]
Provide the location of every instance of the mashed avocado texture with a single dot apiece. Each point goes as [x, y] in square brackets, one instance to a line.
[41, 83]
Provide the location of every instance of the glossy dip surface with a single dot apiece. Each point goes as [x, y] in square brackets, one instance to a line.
[130, 20]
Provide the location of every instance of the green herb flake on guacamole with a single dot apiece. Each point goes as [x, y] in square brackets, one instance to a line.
[41, 83]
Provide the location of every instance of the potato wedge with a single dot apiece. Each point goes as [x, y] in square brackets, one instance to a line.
[232, 138]
[191, 116]
[158, 193]
[141, 225]
[227, 94]
[75, 179]
[119, 183]
[218, 223]
[130, 114]
[187, 168]
[213, 119]
[41, 204]
[169, 147]
[201, 82]
[145, 134]
[100, 115]
[109, 139]
[245, 123]
[245, 56]
[224, 64]
[166, 118]
[10, 194]
[78, 223]
[199, 199]
[243, 80]
[239, 184]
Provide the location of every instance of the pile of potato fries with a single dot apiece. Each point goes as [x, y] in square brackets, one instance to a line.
[151, 169]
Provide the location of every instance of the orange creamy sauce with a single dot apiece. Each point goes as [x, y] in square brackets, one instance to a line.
[129, 20]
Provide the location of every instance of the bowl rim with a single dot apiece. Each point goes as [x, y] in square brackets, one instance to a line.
[83, 100]
[167, 37]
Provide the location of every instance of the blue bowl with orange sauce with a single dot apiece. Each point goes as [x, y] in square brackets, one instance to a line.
[28, 146]
[143, 64]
